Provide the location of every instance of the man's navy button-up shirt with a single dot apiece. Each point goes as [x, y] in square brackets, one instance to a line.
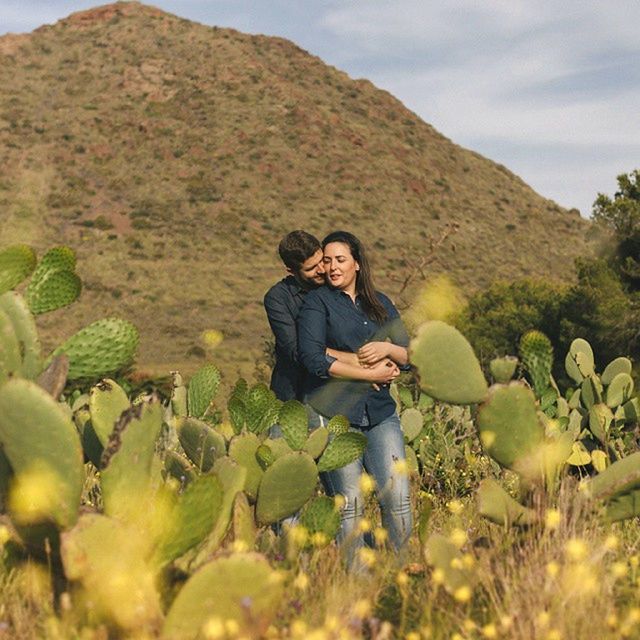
[282, 303]
[330, 319]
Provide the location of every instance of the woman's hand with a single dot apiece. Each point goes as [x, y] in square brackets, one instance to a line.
[384, 372]
[373, 352]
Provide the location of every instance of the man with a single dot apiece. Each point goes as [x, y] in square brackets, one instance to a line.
[302, 256]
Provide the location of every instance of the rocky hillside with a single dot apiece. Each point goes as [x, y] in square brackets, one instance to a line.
[173, 156]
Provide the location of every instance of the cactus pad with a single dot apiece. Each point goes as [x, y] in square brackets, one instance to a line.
[579, 361]
[338, 424]
[107, 401]
[39, 439]
[342, 450]
[10, 359]
[503, 369]
[495, 504]
[508, 423]
[189, 520]
[412, 422]
[60, 258]
[294, 423]
[449, 370]
[286, 485]
[202, 389]
[241, 587]
[619, 365]
[537, 357]
[202, 444]
[108, 558]
[320, 515]
[243, 449]
[446, 558]
[617, 479]
[26, 333]
[100, 349]
[127, 461]
[55, 290]
[16, 263]
[620, 390]
[317, 442]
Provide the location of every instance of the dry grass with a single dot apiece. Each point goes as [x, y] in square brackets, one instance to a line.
[573, 578]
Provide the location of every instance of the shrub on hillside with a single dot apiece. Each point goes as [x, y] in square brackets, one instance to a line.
[495, 318]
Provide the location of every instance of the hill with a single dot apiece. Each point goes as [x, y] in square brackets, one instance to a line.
[173, 156]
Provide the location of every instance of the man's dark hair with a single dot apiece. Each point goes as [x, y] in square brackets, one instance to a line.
[296, 247]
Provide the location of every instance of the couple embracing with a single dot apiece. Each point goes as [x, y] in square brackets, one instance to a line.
[339, 344]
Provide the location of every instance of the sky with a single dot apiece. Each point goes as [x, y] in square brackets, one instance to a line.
[549, 89]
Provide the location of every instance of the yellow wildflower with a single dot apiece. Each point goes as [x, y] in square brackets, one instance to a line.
[552, 519]
[463, 594]
[456, 507]
[367, 556]
[576, 549]
[213, 629]
[380, 535]
[458, 537]
[367, 484]
[301, 582]
[362, 608]
[490, 631]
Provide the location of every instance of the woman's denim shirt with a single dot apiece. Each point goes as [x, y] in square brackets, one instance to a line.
[330, 319]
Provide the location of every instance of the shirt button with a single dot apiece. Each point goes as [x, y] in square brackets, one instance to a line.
[365, 322]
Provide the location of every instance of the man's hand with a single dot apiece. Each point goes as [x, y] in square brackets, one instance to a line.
[373, 352]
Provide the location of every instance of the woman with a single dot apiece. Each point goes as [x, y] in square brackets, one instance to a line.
[350, 315]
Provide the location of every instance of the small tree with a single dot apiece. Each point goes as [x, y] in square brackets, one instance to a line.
[621, 217]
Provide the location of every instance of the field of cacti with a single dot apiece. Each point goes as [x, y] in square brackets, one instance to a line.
[166, 511]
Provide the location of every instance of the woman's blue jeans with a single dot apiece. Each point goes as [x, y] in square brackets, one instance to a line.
[385, 447]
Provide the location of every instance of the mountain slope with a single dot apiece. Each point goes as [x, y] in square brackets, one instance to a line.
[173, 156]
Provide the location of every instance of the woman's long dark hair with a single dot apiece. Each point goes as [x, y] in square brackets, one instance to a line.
[369, 300]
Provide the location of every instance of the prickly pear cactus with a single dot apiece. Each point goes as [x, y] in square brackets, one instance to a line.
[579, 362]
[286, 485]
[536, 353]
[241, 587]
[338, 424]
[495, 504]
[26, 333]
[108, 558]
[321, 516]
[10, 360]
[294, 423]
[317, 442]
[342, 450]
[190, 518]
[449, 565]
[202, 444]
[508, 423]
[16, 263]
[448, 368]
[127, 464]
[232, 477]
[503, 369]
[56, 289]
[243, 450]
[202, 389]
[100, 349]
[411, 421]
[42, 445]
[107, 401]
[261, 408]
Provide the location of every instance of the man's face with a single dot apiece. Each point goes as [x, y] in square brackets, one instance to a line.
[311, 272]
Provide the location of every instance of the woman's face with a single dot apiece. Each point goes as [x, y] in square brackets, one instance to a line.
[340, 266]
